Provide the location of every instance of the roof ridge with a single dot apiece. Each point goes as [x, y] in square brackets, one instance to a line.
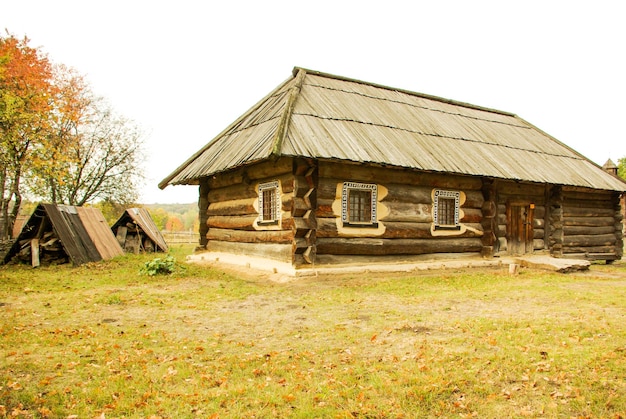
[285, 119]
[409, 92]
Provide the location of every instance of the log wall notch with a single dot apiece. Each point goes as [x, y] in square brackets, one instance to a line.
[303, 211]
[556, 221]
[203, 207]
[489, 220]
[619, 225]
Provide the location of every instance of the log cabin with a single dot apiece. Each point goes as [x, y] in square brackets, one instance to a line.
[328, 170]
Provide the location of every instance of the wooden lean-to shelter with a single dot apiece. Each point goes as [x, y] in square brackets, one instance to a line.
[64, 233]
[136, 232]
[327, 170]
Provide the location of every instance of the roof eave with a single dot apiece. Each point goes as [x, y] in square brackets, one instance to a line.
[168, 179]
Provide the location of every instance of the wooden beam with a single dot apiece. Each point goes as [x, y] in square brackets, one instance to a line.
[369, 246]
[388, 175]
[285, 118]
[250, 236]
[244, 206]
[588, 230]
[34, 252]
[588, 221]
[122, 231]
[241, 222]
[589, 241]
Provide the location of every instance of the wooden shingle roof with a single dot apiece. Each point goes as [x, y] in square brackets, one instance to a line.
[322, 116]
[141, 217]
[83, 232]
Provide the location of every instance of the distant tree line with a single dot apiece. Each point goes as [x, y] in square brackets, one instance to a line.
[175, 217]
[167, 217]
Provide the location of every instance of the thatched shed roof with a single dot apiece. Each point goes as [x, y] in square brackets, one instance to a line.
[322, 116]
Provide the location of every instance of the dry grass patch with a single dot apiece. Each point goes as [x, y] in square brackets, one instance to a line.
[105, 340]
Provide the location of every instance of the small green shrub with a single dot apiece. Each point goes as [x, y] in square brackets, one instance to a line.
[159, 266]
[115, 300]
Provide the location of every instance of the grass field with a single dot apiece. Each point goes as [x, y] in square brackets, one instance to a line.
[104, 341]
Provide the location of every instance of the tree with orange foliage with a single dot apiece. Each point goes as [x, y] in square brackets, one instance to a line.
[26, 89]
[174, 224]
[58, 140]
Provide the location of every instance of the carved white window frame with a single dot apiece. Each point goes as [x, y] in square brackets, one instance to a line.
[440, 193]
[275, 208]
[347, 187]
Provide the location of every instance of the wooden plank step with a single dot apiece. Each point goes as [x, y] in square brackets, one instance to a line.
[553, 264]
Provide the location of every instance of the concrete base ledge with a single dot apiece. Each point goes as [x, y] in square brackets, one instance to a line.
[284, 271]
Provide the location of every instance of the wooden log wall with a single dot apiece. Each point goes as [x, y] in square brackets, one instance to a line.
[407, 218]
[520, 193]
[231, 212]
[591, 224]
[567, 221]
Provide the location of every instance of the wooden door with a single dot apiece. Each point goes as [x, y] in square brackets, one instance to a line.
[520, 228]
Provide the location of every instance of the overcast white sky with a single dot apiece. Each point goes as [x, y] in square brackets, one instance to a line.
[183, 70]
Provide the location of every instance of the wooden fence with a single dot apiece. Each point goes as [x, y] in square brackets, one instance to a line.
[174, 237]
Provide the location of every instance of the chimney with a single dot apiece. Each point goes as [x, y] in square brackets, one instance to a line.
[610, 167]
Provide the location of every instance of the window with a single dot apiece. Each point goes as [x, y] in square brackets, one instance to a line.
[446, 209]
[358, 204]
[269, 203]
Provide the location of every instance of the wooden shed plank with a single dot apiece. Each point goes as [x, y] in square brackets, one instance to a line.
[98, 230]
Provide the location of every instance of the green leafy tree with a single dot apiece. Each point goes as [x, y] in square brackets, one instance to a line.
[159, 216]
[102, 153]
[110, 210]
[190, 218]
[621, 168]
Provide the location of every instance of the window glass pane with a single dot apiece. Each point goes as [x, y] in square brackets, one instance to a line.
[360, 206]
[268, 211]
[269, 202]
[446, 211]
